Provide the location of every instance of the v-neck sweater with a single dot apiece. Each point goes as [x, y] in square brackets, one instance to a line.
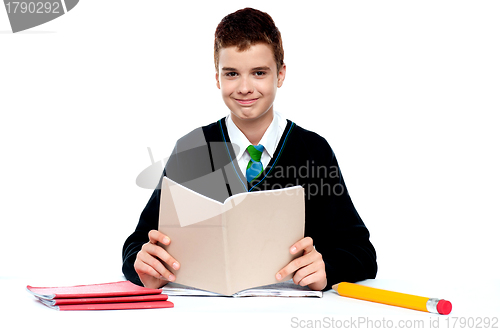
[301, 158]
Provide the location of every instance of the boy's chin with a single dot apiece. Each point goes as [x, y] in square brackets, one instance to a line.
[249, 116]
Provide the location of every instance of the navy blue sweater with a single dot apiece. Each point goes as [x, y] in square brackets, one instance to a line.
[301, 158]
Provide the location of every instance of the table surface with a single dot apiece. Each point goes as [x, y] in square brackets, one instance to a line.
[471, 305]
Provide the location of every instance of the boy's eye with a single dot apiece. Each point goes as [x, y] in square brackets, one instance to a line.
[231, 74]
[260, 73]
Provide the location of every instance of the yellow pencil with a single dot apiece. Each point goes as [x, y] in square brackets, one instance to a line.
[414, 302]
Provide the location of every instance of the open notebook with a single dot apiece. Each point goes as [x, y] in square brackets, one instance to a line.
[228, 247]
[282, 289]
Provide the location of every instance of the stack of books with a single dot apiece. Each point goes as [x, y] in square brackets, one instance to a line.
[108, 296]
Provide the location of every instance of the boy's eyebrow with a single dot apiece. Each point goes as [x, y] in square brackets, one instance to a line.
[261, 68]
[256, 68]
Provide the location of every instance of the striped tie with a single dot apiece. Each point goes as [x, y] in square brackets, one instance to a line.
[254, 167]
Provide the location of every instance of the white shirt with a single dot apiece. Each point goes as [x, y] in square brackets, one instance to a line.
[270, 141]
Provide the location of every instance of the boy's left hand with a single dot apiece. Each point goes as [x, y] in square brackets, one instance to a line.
[309, 268]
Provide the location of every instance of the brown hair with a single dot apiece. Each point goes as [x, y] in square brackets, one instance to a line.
[247, 27]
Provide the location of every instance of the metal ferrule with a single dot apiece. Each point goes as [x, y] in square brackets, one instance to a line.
[432, 305]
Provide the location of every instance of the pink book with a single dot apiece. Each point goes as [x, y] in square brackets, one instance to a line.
[95, 300]
[114, 289]
[114, 306]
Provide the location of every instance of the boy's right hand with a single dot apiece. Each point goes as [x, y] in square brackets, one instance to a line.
[148, 263]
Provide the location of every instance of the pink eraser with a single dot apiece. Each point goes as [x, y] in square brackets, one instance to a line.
[444, 307]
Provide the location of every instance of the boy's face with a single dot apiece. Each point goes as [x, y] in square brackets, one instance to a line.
[249, 80]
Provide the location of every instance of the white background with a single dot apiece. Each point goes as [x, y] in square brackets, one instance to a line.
[405, 92]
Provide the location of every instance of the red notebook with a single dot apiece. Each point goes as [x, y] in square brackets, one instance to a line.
[114, 306]
[95, 300]
[110, 296]
[121, 288]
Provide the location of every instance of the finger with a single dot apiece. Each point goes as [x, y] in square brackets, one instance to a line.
[157, 251]
[316, 277]
[148, 264]
[301, 261]
[156, 236]
[310, 273]
[294, 265]
[313, 260]
[305, 244]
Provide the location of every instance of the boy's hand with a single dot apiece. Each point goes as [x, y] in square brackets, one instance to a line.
[309, 268]
[148, 263]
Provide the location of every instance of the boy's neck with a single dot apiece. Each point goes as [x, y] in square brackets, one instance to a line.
[254, 129]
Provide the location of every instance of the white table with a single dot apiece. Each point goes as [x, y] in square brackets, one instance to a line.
[20, 309]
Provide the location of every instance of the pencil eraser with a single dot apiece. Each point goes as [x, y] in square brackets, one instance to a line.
[444, 307]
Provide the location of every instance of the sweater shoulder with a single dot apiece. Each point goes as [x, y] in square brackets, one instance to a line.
[199, 136]
[310, 138]
[213, 129]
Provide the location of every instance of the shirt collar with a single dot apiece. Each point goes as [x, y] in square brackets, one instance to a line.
[270, 139]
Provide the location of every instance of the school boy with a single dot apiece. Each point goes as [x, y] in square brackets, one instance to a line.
[248, 56]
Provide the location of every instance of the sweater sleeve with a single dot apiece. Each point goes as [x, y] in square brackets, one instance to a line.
[147, 221]
[333, 223]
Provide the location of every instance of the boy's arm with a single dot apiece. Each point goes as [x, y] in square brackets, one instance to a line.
[336, 241]
[147, 222]
[337, 230]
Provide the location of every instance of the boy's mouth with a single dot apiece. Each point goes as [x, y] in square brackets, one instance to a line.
[246, 101]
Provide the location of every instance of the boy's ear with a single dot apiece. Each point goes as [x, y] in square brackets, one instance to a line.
[217, 79]
[281, 75]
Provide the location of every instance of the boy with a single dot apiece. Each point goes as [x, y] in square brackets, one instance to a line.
[273, 153]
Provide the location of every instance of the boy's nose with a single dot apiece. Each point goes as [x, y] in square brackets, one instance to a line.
[245, 86]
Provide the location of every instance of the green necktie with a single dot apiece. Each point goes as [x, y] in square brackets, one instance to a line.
[254, 167]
